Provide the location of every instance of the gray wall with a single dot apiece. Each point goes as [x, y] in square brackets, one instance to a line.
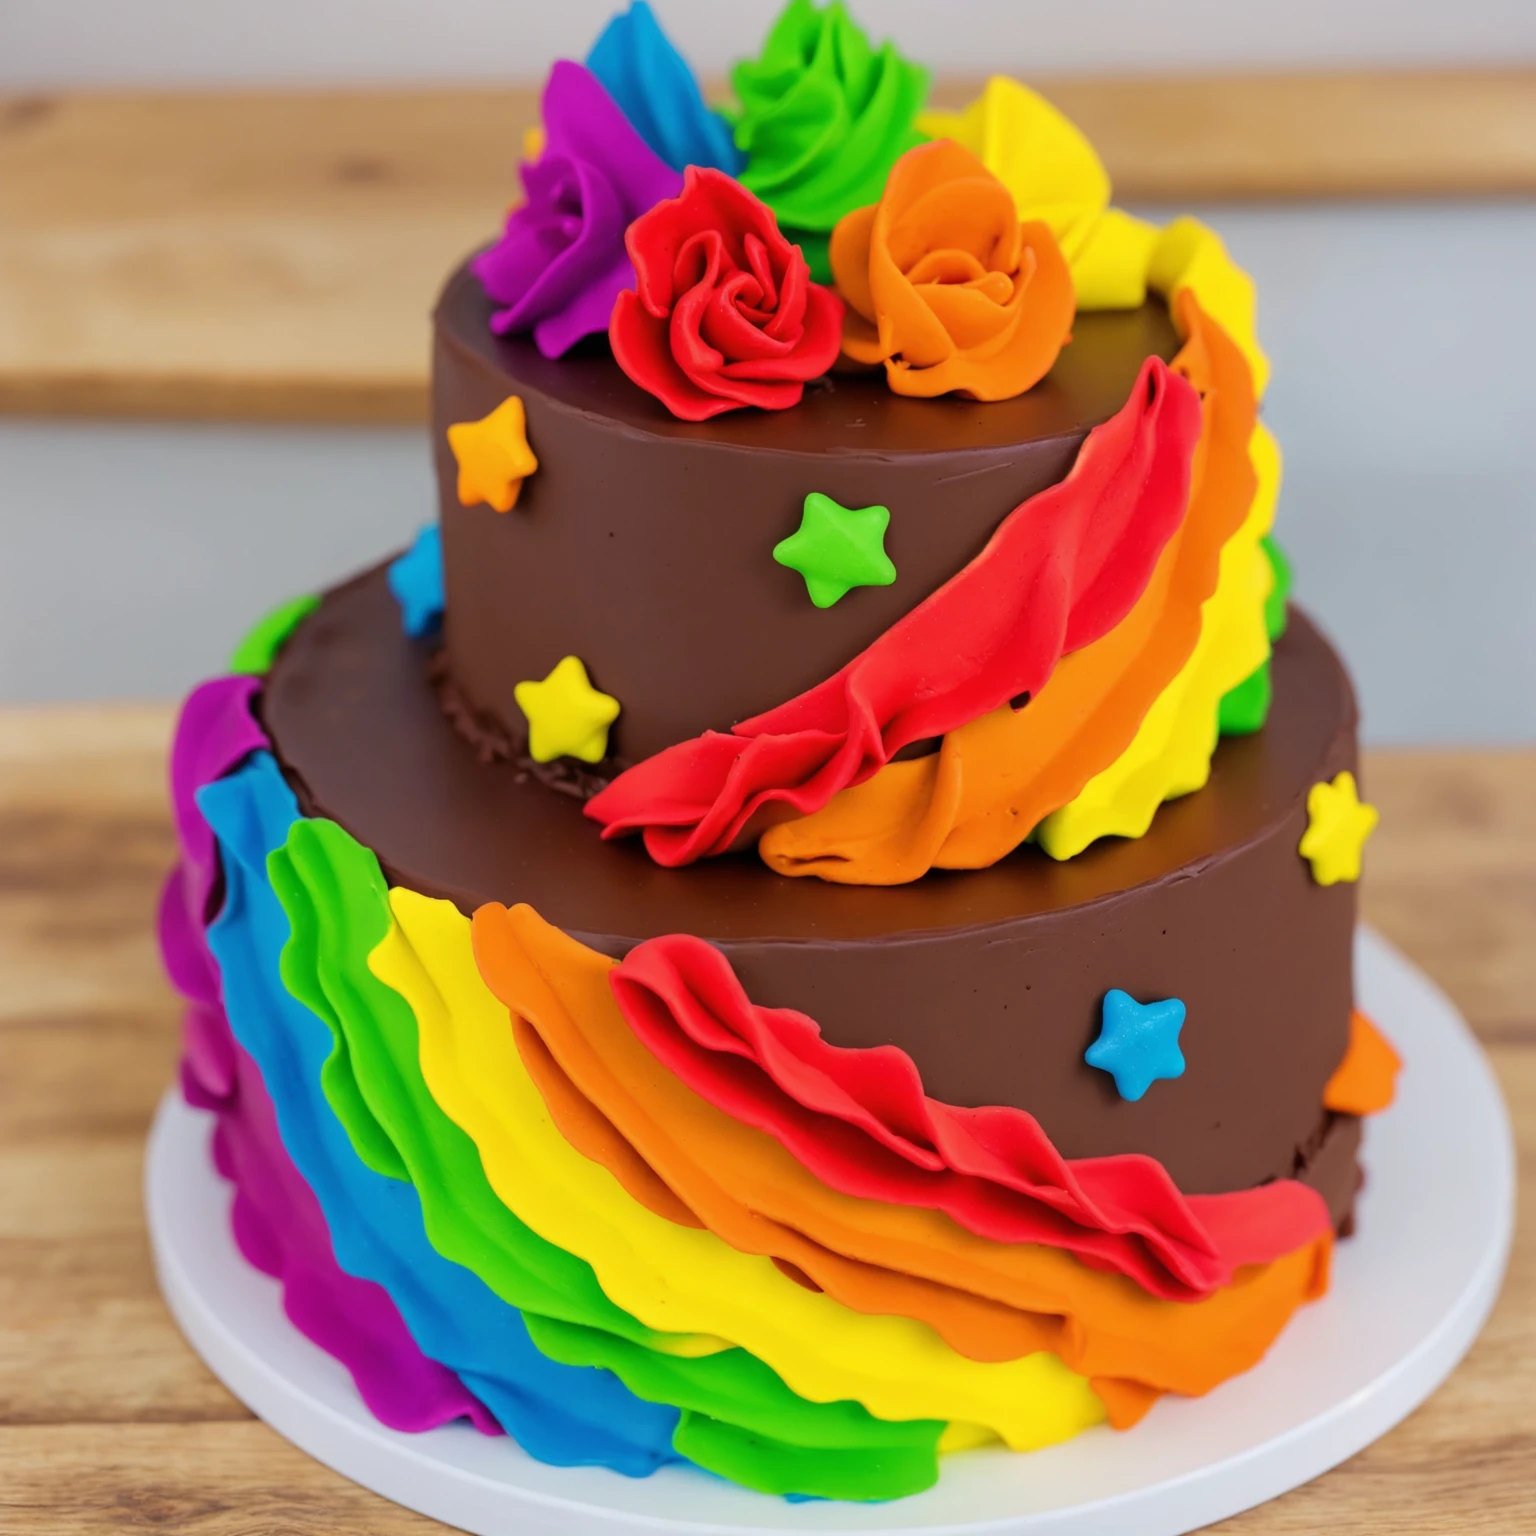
[1403, 341]
[1404, 350]
[47, 43]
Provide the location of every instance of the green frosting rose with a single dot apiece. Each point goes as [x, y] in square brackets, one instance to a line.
[822, 117]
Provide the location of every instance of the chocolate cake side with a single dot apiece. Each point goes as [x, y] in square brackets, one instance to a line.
[645, 545]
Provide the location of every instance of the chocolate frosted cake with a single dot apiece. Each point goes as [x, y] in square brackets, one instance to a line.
[805, 925]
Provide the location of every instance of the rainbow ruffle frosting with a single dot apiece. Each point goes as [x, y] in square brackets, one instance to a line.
[621, 1213]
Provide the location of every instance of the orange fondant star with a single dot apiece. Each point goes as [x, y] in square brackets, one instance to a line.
[493, 456]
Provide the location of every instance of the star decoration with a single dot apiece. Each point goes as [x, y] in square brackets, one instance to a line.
[837, 548]
[1338, 823]
[567, 716]
[493, 456]
[1138, 1043]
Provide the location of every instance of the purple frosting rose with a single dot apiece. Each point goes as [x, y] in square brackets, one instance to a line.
[561, 262]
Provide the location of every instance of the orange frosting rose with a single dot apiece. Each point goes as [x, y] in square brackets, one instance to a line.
[945, 286]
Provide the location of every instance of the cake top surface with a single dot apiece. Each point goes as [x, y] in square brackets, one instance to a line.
[840, 412]
[445, 824]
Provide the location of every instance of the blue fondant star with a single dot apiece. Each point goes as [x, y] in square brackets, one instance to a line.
[1138, 1042]
[416, 579]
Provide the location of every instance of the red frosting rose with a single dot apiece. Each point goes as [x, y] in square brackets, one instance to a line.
[724, 313]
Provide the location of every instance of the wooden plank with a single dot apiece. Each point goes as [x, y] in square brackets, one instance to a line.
[260, 257]
[88, 1037]
[1451, 876]
[1204, 138]
[84, 845]
[108, 1420]
[84, 1336]
[209, 1479]
[274, 257]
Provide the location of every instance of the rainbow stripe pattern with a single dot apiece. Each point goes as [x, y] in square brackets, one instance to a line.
[627, 1218]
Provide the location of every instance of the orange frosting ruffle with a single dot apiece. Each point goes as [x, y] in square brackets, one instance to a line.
[1366, 1080]
[670, 1149]
[995, 779]
[945, 286]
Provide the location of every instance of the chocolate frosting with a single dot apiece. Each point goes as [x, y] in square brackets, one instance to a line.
[644, 544]
[992, 980]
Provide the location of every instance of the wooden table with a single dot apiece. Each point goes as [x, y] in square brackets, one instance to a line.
[109, 1422]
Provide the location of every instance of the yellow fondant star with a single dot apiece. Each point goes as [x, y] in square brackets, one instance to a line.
[567, 716]
[493, 456]
[1338, 823]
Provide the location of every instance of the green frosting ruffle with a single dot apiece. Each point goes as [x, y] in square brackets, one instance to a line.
[822, 117]
[739, 1419]
[1280, 590]
[1245, 708]
[267, 636]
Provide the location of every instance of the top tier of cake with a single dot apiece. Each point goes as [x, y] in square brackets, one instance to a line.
[644, 544]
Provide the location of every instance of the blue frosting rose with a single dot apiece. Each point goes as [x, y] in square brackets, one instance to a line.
[656, 91]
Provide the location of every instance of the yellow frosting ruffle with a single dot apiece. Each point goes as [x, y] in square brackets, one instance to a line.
[678, 1279]
[1034, 149]
[1171, 752]
[1055, 175]
[995, 779]
[1191, 255]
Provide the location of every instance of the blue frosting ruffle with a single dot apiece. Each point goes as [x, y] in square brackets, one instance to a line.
[416, 579]
[655, 89]
[567, 1415]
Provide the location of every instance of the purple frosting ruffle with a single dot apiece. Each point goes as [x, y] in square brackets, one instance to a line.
[277, 1221]
[216, 730]
[281, 1230]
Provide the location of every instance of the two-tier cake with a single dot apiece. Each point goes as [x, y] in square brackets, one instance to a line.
[806, 923]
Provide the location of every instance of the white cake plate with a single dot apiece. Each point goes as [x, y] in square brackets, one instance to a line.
[1409, 1294]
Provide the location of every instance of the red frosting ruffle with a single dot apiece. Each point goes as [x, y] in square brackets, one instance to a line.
[860, 1121]
[1062, 569]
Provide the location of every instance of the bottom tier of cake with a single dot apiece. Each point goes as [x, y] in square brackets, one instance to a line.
[804, 1185]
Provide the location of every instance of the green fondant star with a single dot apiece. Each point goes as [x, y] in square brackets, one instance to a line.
[837, 548]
